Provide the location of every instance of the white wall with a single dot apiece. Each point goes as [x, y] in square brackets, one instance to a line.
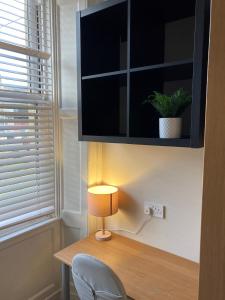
[28, 269]
[170, 176]
[73, 153]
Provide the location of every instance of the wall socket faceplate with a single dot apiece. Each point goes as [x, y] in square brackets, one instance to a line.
[154, 209]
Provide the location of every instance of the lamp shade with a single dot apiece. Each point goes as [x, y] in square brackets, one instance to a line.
[103, 200]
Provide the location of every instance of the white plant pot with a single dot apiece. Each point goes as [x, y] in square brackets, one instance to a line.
[170, 128]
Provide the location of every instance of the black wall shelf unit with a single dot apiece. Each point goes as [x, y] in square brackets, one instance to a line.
[129, 48]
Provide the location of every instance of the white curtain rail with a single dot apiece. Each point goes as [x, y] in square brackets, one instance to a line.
[22, 50]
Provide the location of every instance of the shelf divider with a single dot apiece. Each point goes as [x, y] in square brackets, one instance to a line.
[108, 74]
[162, 66]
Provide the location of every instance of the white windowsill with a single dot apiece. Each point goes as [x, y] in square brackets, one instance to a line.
[27, 229]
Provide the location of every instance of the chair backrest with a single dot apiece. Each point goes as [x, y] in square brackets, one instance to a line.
[96, 281]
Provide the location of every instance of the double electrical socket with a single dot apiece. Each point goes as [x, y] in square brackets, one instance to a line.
[154, 209]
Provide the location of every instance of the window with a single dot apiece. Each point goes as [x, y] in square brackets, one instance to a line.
[27, 167]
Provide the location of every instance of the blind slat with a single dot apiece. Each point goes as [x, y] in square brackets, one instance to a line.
[27, 217]
[26, 184]
[20, 87]
[25, 134]
[35, 82]
[27, 197]
[22, 73]
[11, 155]
[24, 179]
[12, 209]
[23, 193]
[21, 173]
[19, 211]
[26, 147]
[14, 141]
[27, 51]
[22, 166]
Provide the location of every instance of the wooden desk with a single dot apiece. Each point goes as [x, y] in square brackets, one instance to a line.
[146, 272]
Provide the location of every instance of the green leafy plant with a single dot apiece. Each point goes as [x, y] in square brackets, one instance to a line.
[169, 106]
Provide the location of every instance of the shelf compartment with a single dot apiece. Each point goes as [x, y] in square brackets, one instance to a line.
[165, 34]
[144, 119]
[104, 40]
[104, 102]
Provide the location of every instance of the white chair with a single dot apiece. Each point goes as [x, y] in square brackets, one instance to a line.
[94, 280]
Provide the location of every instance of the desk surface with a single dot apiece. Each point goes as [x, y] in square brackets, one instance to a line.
[146, 272]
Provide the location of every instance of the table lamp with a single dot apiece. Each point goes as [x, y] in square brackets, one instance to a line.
[103, 202]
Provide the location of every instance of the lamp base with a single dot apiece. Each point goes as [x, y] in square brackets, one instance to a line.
[106, 236]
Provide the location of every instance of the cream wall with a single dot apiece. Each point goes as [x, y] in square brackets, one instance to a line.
[28, 269]
[169, 176]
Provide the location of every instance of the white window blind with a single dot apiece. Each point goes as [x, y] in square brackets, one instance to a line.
[27, 168]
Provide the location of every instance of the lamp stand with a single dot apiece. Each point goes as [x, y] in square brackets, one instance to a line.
[103, 235]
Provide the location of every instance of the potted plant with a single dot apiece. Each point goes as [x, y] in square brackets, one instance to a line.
[170, 108]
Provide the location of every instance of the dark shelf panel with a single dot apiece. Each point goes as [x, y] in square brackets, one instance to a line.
[127, 49]
[104, 105]
[185, 65]
[188, 63]
[100, 7]
[183, 142]
[104, 75]
[170, 31]
[103, 39]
